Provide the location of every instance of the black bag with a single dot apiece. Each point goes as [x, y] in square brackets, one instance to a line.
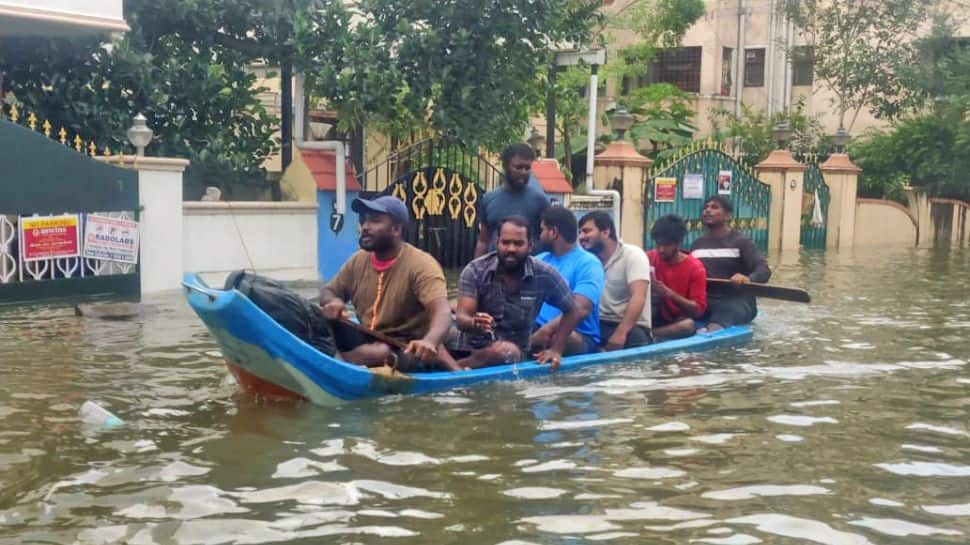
[298, 315]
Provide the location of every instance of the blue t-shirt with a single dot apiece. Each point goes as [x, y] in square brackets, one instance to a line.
[501, 203]
[583, 272]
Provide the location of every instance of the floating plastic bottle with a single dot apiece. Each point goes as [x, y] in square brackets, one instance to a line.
[93, 413]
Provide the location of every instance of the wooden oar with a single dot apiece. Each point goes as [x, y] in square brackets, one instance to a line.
[766, 290]
[376, 334]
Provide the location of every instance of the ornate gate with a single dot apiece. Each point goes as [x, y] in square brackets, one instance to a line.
[700, 172]
[441, 183]
[815, 208]
[53, 188]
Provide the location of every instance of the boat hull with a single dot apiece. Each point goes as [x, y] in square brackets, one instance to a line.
[268, 360]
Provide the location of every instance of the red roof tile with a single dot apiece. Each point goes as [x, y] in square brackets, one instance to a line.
[550, 177]
[323, 168]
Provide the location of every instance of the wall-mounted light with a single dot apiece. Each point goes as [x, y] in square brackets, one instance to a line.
[792, 184]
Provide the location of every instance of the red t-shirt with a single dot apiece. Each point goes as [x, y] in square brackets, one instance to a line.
[687, 278]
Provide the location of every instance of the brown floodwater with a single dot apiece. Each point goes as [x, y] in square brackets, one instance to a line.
[846, 421]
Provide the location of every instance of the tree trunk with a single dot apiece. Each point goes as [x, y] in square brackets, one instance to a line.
[568, 148]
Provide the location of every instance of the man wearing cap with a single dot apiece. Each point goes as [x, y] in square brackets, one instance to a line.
[396, 289]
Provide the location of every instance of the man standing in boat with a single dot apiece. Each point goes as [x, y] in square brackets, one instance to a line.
[680, 281]
[584, 274]
[625, 301]
[518, 195]
[728, 254]
[499, 296]
[396, 289]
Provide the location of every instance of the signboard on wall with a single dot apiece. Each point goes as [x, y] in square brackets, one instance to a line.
[49, 237]
[111, 239]
[665, 189]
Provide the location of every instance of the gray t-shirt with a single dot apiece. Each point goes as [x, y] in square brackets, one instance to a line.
[501, 203]
[627, 264]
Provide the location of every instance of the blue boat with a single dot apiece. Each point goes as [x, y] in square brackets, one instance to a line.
[268, 360]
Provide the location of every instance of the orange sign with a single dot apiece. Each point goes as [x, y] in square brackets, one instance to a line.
[49, 237]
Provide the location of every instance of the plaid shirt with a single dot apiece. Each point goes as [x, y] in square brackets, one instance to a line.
[514, 313]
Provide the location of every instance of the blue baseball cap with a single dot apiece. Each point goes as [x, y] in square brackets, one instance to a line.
[392, 206]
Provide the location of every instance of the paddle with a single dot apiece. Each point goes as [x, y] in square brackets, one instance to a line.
[402, 346]
[766, 290]
[375, 334]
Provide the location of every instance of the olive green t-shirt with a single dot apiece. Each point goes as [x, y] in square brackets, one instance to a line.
[406, 289]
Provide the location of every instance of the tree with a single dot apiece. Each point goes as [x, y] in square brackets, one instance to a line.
[930, 149]
[753, 130]
[860, 50]
[662, 111]
[199, 99]
[466, 70]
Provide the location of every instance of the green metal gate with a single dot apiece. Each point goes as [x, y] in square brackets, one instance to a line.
[47, 182]
[708, 171]
[815, 208]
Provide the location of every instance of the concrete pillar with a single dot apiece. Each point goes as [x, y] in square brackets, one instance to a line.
[621, 161]
[842, 177]
[785, 176]
[159, 220]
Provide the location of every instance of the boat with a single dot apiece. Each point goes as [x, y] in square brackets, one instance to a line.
[268, 360]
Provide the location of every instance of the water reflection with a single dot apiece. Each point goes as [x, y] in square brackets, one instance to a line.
[844, 422]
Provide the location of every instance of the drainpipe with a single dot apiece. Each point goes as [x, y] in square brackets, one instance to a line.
[789, 43]
[591, 149]
[337, 146]
[739, 69]
[770, 61]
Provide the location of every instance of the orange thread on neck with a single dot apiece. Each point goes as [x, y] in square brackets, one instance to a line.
[377, 299]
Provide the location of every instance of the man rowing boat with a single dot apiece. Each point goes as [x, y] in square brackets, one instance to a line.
[395, 288]
[728, 254]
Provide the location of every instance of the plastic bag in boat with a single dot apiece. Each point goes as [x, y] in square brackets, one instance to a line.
[298, 315]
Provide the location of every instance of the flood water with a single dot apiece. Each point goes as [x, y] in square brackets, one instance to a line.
[843, 422]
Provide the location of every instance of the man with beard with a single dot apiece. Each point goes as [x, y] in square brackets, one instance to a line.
[499, 296]
[680, 281]
[727, 254]
[517, 196]
[584, 274]
[625, 301]
[396, 289]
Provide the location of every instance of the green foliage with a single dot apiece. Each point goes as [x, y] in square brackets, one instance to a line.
[465, 70]
[171, 66]
[753, 131]
[663, 114]
[930, 149]
[861, 50]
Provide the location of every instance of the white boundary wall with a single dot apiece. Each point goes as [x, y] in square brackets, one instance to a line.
[277, 239]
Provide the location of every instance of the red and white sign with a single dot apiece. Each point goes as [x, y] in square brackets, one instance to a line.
[665, 189]
[49, 237]
[111, 239]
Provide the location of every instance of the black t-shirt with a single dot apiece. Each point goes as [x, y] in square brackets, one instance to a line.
[725, 256]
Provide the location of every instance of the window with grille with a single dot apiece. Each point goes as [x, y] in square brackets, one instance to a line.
[802, 61]
[680, 67]
[754, 67]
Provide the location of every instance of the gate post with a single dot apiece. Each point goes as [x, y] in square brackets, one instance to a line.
[160, 243]
[620, 162]
[785, 175]
[842, 177]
